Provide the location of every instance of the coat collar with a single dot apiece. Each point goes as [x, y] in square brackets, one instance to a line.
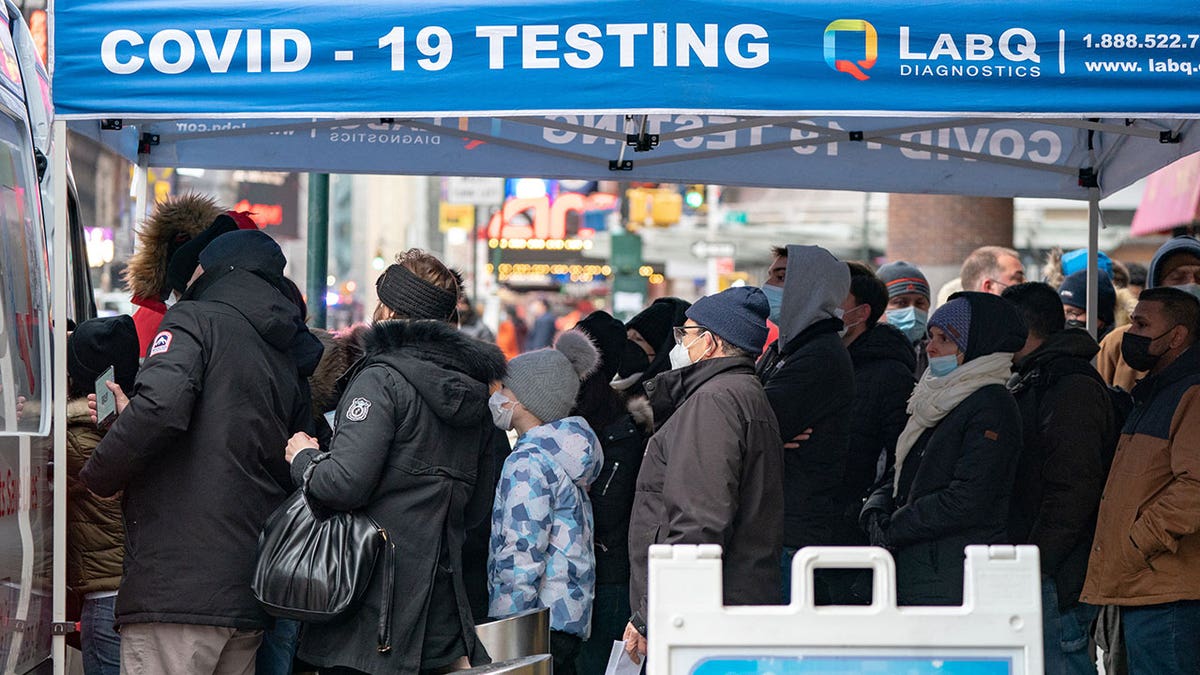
[668, 391]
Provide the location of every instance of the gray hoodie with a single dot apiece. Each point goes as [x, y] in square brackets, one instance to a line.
[817, 283]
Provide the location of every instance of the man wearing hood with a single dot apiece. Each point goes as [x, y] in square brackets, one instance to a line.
[1069, 430]
[174, 223]
[809, 380]
[1176, 264]
[198, 451]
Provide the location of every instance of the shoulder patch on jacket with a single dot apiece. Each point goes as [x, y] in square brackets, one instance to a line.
[162, 342]
[991, 435]
[358, 409]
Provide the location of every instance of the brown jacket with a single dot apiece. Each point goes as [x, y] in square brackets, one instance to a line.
[713, 474]
[1112, 367]
[95, 535]
[1147, 545]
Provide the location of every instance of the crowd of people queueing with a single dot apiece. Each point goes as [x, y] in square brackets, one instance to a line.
[870, 420]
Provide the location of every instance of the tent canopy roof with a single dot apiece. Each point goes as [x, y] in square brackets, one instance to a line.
[1018, 98]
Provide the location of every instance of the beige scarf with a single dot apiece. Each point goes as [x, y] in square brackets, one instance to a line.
[934, 397]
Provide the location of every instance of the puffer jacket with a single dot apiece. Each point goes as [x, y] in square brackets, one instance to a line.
[1070, 430]
[883, 380]
[95, 535]
[541, 550]
[1147, 545]
[410, 442]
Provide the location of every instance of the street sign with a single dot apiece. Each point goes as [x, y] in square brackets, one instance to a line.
[714, 249]
[475, 191]
[456, 217]
[735, 217]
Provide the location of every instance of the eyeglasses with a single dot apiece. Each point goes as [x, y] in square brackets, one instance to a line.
[680, 332]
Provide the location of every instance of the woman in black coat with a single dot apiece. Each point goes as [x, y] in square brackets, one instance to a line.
[411, 437]
[957, 455]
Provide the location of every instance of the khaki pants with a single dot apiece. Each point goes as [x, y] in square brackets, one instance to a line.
[185, 649]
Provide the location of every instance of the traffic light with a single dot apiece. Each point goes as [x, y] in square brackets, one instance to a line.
[693, 197]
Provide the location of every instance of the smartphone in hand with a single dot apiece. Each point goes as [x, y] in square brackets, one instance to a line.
[106, 401]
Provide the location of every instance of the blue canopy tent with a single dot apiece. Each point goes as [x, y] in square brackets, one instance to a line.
[1072, 99]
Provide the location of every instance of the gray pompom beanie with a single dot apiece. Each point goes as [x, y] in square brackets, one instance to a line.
[546, 381]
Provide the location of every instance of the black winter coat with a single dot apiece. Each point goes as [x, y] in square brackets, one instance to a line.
[810, 384]
[711, 476]
[612, 496]
[954, 491]
[1070, 432]
[410, 440]
[199, 451]
[883, 380]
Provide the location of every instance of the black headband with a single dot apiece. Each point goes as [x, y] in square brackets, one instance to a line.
[405, 293]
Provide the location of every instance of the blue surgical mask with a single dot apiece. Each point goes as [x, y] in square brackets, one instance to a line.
[1191, 289]
[910, 321]
[775, 299]
[942, 366]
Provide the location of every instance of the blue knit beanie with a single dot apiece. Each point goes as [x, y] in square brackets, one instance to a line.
[954, 318]
[736, 315]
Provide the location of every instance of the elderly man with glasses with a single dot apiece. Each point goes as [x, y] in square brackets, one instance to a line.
[712, 471]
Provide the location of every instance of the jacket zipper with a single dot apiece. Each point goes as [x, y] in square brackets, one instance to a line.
[612, 474]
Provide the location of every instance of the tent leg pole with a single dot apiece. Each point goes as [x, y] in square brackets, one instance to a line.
[318, 246]
[1093, 274]
[59, 274]
[712, 229]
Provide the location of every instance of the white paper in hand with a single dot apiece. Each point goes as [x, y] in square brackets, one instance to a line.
[619, 662]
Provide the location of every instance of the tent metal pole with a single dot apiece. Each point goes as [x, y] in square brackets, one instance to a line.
[1093, 274]
[712, 226]
[318, 247]
[58, 278]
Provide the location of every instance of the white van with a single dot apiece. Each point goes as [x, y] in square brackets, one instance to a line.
[26, 210]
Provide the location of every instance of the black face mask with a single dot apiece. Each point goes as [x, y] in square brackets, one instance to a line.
[1135, 349]
[1076, 323]
[633, 360]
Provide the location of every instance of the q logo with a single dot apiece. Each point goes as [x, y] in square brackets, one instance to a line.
[870, 47]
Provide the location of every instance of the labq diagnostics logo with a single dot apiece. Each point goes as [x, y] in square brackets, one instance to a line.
[851, 31]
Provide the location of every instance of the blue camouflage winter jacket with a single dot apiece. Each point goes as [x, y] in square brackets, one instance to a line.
[541, 547]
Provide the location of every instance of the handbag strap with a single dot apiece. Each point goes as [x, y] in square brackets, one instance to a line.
[389, 578]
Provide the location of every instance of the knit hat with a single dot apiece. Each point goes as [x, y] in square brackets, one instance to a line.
[403, 292]
[1073, 292]
[954, 318]
[902, 277]
[183, 262]
[655, 322]
[608, 334]
[1076, 261]
[250, 250]
[546, 381]
[96, 344]
[736, 315]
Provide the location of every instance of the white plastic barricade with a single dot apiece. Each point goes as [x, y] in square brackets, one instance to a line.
[997, 631]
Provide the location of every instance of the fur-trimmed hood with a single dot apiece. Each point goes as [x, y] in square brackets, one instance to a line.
[342, 350]
[174, 222]
[451, 372]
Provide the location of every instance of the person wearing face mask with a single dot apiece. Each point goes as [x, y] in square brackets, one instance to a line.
[908, 306]
[1073, 293]
[646, 354]
[1146, 555]
[957, 456]
[411, 447]
[542, 526]
[883, 380]
[809, 379]
[711, 474]
[1175, 264]
[1070, 427]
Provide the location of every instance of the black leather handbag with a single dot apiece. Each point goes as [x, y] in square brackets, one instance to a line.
[314, 565]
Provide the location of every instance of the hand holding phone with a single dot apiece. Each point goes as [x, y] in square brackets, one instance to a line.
[106, 400]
